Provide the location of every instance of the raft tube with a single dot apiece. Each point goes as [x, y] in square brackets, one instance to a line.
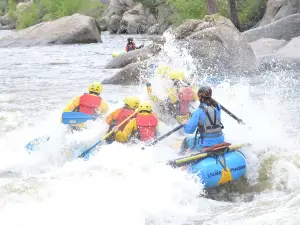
[219, 169]
[117, 54]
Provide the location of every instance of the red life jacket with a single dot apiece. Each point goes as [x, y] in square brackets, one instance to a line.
[186, 95]
[123, 114]
[146, 127]
[89, 103]
[130, 47]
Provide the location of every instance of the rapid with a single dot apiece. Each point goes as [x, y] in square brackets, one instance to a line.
[125, 185]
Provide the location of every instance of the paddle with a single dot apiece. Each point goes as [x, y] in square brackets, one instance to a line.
[195, 157]
[240, 121]
[164, 136]
[76, 117]
[87, 151]
[67, 118]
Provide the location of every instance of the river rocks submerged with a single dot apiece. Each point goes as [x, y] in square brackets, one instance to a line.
[67, 30]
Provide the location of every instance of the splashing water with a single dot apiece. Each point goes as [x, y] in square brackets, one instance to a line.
[122, 184]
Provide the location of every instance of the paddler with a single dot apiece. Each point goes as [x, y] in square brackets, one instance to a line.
[142, 128]
[207, 120]
[130, 46]
[179, 97]
[131, 103]
[89, 103]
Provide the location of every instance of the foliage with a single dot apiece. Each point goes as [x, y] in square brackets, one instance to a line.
[3, 6]
[30, 16]
[45, 10]
[11, 10]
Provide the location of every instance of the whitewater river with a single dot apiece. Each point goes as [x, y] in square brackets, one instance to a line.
[124, 185]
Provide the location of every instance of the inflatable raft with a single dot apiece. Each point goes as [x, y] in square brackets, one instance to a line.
[219, 169]
[117, 54]
[216, 166]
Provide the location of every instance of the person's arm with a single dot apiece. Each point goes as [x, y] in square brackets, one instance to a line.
[123, 136]
[72, 105]
[103, 108]
[193, 122]
[112, 116]
[151, 96]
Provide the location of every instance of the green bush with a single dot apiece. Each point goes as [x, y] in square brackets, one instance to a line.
[30, 16]
[248, 10]
[45, 10]
[11, 10]
[3, 6]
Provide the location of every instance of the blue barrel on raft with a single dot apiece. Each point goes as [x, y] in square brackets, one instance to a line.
[219, 169]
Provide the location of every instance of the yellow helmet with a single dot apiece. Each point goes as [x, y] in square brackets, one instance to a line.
[132, 101]
[145, 106]
[176, 75]
[163, 70]
[95, 87]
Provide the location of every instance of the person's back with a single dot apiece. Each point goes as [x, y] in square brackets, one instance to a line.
[121, 114]
[142, 128]
[89, 103]
[207, 120]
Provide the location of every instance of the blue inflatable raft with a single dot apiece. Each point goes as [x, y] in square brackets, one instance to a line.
[219, 169]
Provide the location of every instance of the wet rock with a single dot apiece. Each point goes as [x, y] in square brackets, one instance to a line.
[67, 30]
[278, 9]
[137, 20]
[129, 75]
[291, 50]
[6, 23]
[266, 46]
[216, 43]
[134, 56]
[282, 29]
[157, 29]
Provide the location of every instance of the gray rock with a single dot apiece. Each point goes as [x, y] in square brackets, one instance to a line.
[67, 30]
[216, 44]
[291, 50]
[129, 75]
[114, 23]
[278, 9]
[267, 46]
[158, 28]
[137, 20]
[134, 56]
[285, 28]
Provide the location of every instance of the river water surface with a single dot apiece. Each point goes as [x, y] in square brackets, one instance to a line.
[124, 185]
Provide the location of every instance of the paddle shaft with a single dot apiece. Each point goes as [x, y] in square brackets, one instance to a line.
[166, 135]
[196, 157]
[85, 152]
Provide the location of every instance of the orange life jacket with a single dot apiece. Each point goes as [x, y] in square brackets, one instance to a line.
[89, 103]
[130, 47]
[122, 115]
[146, 125]
[186, 95]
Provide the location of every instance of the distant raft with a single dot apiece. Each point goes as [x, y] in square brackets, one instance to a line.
[117, 54]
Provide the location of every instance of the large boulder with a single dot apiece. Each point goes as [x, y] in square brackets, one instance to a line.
[67, 30]
[127, 16]
[216, 44]
[137, 20]
[267, 46]
[134, 56]
[291, 50]
[278, 9]
[6, 23]
[286, 58]
[285, 28]
[131, 74]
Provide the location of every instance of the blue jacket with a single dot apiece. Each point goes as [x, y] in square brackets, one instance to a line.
[191, 126]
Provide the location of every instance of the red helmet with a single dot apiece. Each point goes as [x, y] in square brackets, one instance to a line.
[205, 91]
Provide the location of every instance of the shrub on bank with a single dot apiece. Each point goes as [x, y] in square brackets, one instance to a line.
[46, 10]
[249, 11]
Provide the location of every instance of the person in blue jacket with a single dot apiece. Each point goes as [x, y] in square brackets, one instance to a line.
[206, 119]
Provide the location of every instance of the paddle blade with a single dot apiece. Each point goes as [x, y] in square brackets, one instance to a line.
[75, 117]
[34, 144]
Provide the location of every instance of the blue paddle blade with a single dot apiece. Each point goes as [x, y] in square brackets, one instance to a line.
[86, 153]
[75, 117]
[33, 145]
